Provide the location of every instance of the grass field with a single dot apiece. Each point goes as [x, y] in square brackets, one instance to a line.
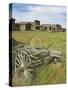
[52, 73]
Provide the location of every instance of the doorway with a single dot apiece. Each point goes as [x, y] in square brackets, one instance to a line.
[28, 26]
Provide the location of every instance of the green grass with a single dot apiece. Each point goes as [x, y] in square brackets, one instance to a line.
[52, 73]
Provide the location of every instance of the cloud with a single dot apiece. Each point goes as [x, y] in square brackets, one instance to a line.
[44, 13]
[47, 9]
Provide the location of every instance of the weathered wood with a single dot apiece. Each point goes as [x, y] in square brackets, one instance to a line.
[30, 57]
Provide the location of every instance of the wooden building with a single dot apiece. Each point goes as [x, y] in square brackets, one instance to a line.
[13, 26]
[51, 27]
[34, 26]
[30, 26]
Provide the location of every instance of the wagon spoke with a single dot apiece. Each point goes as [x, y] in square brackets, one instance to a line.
[22, 60]
[29, 76]
[27, 50]
[17, 64]
[18, 61]
[28, 64]
[19, 57]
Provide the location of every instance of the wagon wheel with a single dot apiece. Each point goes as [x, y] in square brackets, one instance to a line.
[35, 42]
[22, 66]
[56, 52]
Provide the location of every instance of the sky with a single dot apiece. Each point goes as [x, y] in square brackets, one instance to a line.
[47, 14]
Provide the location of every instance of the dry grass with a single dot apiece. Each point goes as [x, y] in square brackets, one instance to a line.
[52, 73]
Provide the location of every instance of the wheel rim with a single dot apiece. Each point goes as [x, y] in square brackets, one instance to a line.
[22, 66]
[35, 42]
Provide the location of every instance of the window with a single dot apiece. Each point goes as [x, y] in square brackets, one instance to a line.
[45, 27]
[37, 27]
[58, 25]
[37, 22]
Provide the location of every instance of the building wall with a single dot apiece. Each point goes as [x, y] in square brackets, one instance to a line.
[22, 27]
[13, 26]
[63, 30]
[37, 24]
[52, 28]
[33, 28]
[17, 27]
